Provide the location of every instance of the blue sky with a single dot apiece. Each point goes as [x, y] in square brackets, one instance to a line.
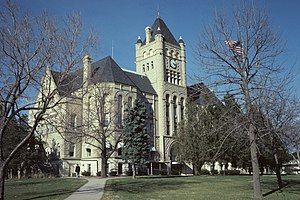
[122, 21]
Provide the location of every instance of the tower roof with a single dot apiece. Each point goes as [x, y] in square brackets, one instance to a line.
[159, 27]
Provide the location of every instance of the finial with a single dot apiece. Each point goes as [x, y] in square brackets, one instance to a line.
[180, 40]
[158, 16]
[112, 49]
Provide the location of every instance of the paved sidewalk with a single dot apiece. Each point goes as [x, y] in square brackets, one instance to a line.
[92, 190]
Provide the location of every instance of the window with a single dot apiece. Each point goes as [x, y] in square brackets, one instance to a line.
[106, 119]
[144, 54]
[120, 151]
[72, 150]
[144, 68]
[150, 52]
[168, 114]
[58, 151]
[73, 121]
[105, 112]
[129, 102]
[175, 113]
[88, 152]
[147, 66]
[152, 65]
[181, 108]
[119, 111]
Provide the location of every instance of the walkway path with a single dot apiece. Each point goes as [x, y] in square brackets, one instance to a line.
[92, 190]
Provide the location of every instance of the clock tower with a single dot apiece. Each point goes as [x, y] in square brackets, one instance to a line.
[162, 59]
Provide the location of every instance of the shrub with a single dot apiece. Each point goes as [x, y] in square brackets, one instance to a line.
[204, 172]
[215, 172]
[85, 173]
[112, 173]
[175, 172]
[129, 173]
[99, 173]
[163, 172]
[230, 172]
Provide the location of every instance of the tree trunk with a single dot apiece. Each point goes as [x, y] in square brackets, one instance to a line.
[133, 171]
[298, 157]
[2, 180]
[277, 171]
[253, 146]
[103, 159]
[103, 167]
[255, 165]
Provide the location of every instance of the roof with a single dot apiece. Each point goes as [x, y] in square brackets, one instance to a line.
[202, 95]
[69, 83]
[159, 26]
[107, 70]
[104, 70]
[142, 82]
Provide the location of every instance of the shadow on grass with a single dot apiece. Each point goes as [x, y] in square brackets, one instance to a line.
[157, 177]
[150, 184]
[290, 186]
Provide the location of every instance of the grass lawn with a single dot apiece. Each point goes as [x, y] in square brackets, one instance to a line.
[41, 189]
[198, 187]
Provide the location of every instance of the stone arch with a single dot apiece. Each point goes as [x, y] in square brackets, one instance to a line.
[165, 94]
[150, 52]
[171, 152]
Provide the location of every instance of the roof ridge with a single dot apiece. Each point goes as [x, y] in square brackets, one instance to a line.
[133, 72]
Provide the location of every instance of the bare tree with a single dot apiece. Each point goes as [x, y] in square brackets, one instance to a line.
[31, 46]
[279, 109]
[101, 129]
[240, 53]
[292, 140]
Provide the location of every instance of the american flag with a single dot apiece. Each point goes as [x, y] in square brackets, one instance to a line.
[235, 46]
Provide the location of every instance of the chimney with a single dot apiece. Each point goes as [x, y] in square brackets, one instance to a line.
[87, 60]
[148, 34]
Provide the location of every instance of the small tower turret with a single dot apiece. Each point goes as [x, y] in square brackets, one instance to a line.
[148, 34]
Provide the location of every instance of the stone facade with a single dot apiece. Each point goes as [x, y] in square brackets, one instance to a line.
[160, 80]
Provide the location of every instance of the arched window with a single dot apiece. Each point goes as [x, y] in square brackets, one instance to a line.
[167, 51]
[168, 113]
[129, 102]
[175, 113]
[88, 152]
[119, 111]
[172, 53]
[144, 54]
[73, 121]
[143, 67]
[105, 117]
[181, 108]
[150, 52]
[177, 54]
[72, 150]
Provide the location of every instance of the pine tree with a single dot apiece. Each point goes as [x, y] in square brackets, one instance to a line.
[135, 137]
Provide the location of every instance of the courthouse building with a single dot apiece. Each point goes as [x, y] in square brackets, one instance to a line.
[159, 80]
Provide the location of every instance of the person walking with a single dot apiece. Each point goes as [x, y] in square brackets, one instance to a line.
[77, 170]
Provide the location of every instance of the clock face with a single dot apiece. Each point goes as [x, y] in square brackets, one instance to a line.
[173, 64]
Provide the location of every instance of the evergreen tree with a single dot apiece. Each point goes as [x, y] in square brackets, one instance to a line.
[135, 137]
[200, 137]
